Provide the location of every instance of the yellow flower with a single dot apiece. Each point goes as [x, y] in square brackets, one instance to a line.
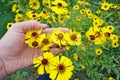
[76, 7]
[82, 11]
[44, 14]
[61, 18]
[90, 16]
[111, 78]
[60, 7]
[106, 31]
[33, 42]
[32, 34]
[61, 69]
[82, 67]
[31, 14]
[113, 5]
[75, 56]
[52, 19]
[76, 79]
[47, 3]
[73, 37]
[114, 37]
[45, 42]
[110, 28]
[97, 22]
[18, 17]
[9, 25]
[15, 8]
[99, 51]
[105, 6]
[115, 44]
[68, 15]
[98, 11]
[88, 11]
[78, 18]
[43, 62]
[57, 37]
[34, 4]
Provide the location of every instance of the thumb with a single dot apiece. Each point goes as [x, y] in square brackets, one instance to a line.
[23, 27]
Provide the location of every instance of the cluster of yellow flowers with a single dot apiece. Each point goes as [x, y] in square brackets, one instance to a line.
[37, 39]
[71, 15]
[58, 68]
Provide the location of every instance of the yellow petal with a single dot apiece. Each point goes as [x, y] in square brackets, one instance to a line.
[41, 69]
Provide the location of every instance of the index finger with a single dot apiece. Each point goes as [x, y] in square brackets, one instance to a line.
[27, 25]
[50, 30]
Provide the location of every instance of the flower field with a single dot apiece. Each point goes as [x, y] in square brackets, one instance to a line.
[91, 46]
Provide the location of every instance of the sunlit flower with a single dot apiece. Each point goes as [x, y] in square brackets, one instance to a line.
[113, 5]
[32, 34]
[75, 56]
[82, 11]
[90, 16]
[78, 18]
[15, 8]
[61, 69]
[88, 11]
[46, 3]
[106, 31]
[99, 51]
[98, 11]
[9, 25]
[18, 17]
[76, 7]
[43, 63]
[45, 42]
[57, 37]
[33, 42]
[111, 78]
[44, 14]
[73, 38]
[31, 14]
[34, 4]
[59, 7]
[61, 18]
[82, 67]
[105, 6]
[110, 28]
[114, 38]
[115, 44]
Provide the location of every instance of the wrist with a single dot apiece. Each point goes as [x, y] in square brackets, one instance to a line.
[3, 73]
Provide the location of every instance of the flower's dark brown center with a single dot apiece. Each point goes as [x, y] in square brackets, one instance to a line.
[45, 41]
[44, 61]
[105, 6]
[107, 34]
[115, 44]
[59, 5]
[61, 68]
[60, 36]
[110, 28]
[83, 11]
[34, 34]
[92, 37]
[73, 37]
[97, 34]
[19, 18]
[98, 51]
[35, 43]
[16, 8]
[44, 12]
[34, 3]
[33, 15]
[10, 25]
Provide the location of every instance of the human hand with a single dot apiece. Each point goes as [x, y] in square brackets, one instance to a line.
[14, 53]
